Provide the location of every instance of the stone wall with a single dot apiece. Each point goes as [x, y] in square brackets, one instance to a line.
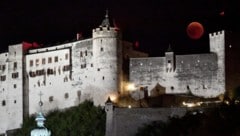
[126, 121]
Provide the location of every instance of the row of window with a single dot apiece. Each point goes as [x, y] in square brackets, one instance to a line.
[85, 52]
[14, 75]
[4, 102]
[66, 96]
[50, 60]
[3, 67]
[49, 71]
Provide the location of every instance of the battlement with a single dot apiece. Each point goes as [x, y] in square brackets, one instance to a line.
[104, 31]
[216, 34]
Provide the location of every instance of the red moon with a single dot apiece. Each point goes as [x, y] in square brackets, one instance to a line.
[195, 30]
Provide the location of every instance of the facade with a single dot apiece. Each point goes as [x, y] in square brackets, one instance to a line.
[94, 69]
[198, 74]
[63, 75]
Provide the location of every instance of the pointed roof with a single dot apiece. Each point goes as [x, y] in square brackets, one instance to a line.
[169, 48]
[105, 22]
[109, 100]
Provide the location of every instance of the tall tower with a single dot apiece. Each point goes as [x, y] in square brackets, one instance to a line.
[170, 60]
[217, 46]
[107, 54]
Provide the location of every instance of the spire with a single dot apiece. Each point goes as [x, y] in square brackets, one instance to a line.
[41, 130]
[105, 22]
[169, 48]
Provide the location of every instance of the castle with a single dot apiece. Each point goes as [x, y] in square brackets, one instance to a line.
[67, 74]
[198, 74]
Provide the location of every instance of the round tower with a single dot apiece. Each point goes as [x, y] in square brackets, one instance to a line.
[107, 54]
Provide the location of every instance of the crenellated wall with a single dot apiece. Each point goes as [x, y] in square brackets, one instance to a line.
[200, 74]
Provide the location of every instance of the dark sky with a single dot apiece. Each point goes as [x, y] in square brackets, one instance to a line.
[154, 23]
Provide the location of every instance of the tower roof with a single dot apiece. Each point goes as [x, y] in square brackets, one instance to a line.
[40, 130]
[105, 22]
[169, 48]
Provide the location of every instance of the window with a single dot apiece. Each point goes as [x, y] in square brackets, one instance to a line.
[103, 78]
[49, 60]
[15, 65]
[66, 68]
[66, 95]
[66, 56]
[3, 103]
[49, 71]
[56, 59]
[15, 75]
[169, 61]
[2, 67]
[86, 53]
[98, 69]
[37, 62]
[3, 78]
[91, 65]
[31, 63]
[40, 72]
[83, 65]
[101, 49]
[32, 74]
[81, 54]
[172, 88]
[15, 101]
[43, 61]
[188, 88]
[14, 86]
[50, 98]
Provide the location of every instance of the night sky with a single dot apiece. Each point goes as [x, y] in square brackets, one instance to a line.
[153, 23]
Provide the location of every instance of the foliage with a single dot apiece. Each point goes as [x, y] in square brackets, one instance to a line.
[83, 120]
[221, 121]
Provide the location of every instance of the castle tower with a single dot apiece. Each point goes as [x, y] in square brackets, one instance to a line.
[109, 118]
[217, 46]
[107, 54]
[170, 60]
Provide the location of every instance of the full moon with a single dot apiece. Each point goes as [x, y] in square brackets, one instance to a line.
[195, 30]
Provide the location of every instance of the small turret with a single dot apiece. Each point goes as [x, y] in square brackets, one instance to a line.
[41, 130]
[170, 60]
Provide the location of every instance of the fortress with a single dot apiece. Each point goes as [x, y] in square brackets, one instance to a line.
[65, 75]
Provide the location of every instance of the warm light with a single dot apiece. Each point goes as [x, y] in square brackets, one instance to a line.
[129, 106]
[131, 87]
[190, 104]
[113, 97]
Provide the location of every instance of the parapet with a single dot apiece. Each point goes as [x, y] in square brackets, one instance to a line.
[105, 31]
[216, 34]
